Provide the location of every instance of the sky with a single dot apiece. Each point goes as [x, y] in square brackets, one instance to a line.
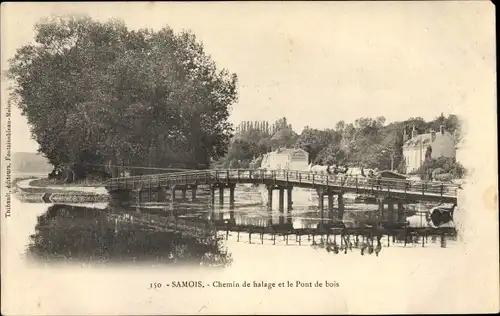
[314, 63]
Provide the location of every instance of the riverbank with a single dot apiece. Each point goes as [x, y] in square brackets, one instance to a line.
[44, 182]
[40, 185]
[58, 193]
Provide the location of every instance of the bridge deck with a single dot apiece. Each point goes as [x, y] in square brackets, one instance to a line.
[418, 190]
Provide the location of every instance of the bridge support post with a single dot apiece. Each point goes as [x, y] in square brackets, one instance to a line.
[281, 199]
[231, 216]
[401, 212]
[221, 195]
[380, 201]
[193, 192]
[231, 195]
[269, 197]
[281, 202]
[330, 202]
[184, 191]
[172, 193]
[340, 199]
[289, 202]
[138, 196]
[321, 203]
[390, 211]
[212, 194]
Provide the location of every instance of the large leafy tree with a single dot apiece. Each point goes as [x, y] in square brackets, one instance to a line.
[97, 93]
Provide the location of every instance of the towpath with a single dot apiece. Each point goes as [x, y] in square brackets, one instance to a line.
[26, 184]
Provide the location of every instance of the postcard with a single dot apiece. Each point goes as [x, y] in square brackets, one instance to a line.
[249, 158]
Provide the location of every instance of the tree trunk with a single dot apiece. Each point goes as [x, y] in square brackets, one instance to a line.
[69, 175]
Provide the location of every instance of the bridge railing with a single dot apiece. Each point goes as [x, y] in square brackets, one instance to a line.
[369, 183]
[240, 175]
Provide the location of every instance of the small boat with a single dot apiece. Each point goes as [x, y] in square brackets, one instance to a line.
[441, 215]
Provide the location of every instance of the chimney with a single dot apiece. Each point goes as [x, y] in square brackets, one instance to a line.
[441, 129]
[413, 132]
[433, 134]
[405, 136]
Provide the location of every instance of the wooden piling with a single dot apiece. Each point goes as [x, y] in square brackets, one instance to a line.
[193, 193]
[269, 198]
[221, 195]
[281, 199]
[330, 202]
[400, 215]
[138, 196]
[390, 211]
[231, 196]
[321, 202]
[212, 195]
[340, 201]
[289, 201]
[381, 207]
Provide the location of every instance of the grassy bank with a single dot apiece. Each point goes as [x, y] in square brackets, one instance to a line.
[21, 178]
[52, 190]
[45, 185]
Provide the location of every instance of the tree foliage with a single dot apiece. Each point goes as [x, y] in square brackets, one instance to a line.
[97, 93]
[246, 147]
[440, 166]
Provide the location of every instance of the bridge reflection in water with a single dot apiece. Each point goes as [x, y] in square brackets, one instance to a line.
[196, 233]
[67, 232]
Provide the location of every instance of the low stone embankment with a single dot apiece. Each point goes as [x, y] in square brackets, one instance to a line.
[59, 194]
[70, 197]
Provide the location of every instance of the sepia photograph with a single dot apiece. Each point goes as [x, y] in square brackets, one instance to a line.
[265, 157]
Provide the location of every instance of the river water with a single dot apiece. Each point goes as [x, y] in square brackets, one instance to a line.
[97, 259]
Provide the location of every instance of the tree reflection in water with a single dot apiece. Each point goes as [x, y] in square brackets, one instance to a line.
[87, 234]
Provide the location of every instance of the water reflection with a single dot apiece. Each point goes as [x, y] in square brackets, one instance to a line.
[78, 233]
[195, 232]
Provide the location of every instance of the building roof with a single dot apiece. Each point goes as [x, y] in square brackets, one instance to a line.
[290, 150]
[423, 139]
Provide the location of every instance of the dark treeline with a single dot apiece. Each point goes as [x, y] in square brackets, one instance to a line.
[97, 93]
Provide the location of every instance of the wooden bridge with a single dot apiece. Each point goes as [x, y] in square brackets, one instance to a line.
[254, 226]
[285, 180]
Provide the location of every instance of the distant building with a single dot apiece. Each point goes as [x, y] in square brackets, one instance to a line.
[440, 144]
[286, 158]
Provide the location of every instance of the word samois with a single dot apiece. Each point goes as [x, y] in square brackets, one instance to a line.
[159, 285]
